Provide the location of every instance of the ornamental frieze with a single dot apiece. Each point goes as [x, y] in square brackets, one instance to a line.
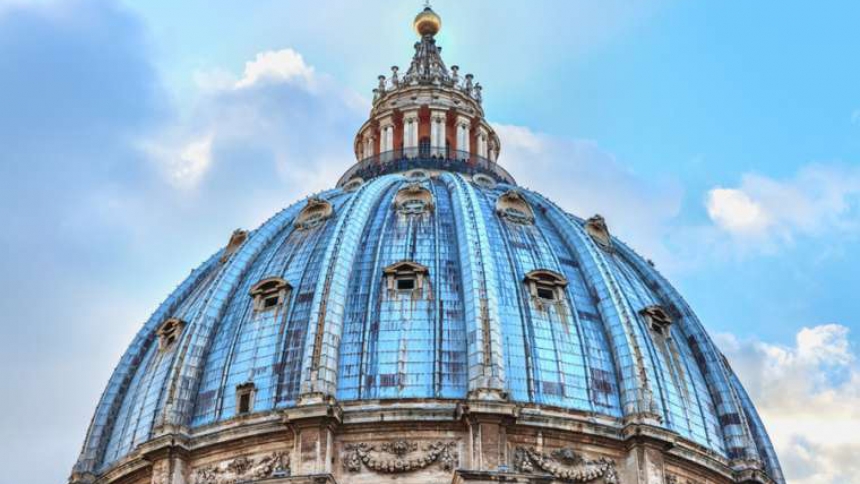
[565, 465]
[399, 456]
[244, 468]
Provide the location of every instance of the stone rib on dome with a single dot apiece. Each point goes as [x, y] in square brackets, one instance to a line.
[474, 330]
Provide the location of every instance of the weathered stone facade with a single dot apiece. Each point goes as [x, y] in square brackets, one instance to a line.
[423, 442]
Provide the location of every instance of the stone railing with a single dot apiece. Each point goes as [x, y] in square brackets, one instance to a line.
[405, 159]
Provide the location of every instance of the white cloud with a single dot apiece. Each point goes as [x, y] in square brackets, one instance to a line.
[735, 211]
[584, 179]
[821, 199]
[285, 65]
[809, 396]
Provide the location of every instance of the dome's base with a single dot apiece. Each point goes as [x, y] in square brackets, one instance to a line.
[423, 442]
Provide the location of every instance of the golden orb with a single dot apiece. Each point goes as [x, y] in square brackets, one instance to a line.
[427, 22]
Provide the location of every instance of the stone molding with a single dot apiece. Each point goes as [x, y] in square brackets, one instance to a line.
[399, 456]
[244, 468]
[565, 465]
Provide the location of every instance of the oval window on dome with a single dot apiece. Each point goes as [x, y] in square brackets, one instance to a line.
[513, 207]
[416, 175]
[484, 181]
[353, 185]
[168, 333]
[413, 199]
[314, 214]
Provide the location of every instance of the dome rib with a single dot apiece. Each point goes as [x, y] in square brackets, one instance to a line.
[180, 406]
[331, 293]
[635, 388]
[486, 351]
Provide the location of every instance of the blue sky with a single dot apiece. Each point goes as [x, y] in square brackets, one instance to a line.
[720, 139]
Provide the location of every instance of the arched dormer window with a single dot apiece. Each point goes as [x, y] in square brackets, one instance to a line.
[405, 277]
[168, 333]
[269, 293]
[413, 199]
[658, 319]
[314, 214]
[236, 240]
[483, 181]
[513, 207]
[597, 229]
[353, 184]
[546, 286]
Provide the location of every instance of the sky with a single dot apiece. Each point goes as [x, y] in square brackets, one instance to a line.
[720, 139]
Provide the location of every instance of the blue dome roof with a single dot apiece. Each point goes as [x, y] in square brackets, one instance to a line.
[433, 285]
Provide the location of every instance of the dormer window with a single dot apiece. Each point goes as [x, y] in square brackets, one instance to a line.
[236, 240]
[513, 207]
[413, 199]
[169, 333]
[658, 319]
[405, 277]
[269, 294]
[245, 394]
[546, 286]
[314, 214]
[599, 232]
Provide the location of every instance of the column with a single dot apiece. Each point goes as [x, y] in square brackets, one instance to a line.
[410, 133]
[463, 134]
[437, 133]
[386, 133]
[482, 142]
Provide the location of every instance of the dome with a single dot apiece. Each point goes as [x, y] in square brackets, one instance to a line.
[427, 289]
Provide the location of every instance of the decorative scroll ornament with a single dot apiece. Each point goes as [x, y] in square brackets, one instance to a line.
[243, 469]
[565, 465]
[403, 456]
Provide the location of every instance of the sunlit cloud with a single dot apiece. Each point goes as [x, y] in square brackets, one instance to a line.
[809, 397]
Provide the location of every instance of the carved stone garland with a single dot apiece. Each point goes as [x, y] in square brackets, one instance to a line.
[404, 456]
[565, 465]
[242, 469]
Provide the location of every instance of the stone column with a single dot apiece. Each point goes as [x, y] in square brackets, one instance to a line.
[464, 125]
[314, 428]
[169, 457]
[386, 130]
[482, 142]
[437, 132]
[410, 133]
[487, 424]
[646, 446]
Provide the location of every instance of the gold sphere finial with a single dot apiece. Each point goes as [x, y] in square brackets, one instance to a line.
[427, 22]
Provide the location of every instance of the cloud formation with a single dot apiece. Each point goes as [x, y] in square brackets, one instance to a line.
[585, 179]
[809, 397]
[821, 199]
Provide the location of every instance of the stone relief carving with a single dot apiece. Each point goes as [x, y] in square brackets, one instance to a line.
[244, 468]
[565, 465]
[402, 456]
